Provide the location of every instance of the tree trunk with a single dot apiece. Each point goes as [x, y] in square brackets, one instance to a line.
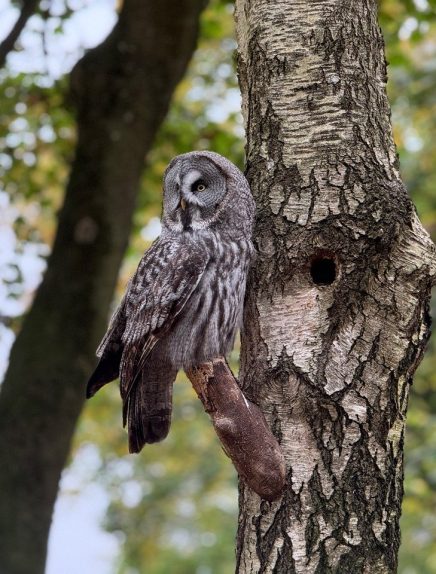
[122, 91]
[336, 318]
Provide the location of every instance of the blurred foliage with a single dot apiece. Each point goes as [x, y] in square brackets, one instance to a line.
[409, 29]
[33, 170]
[173, 508]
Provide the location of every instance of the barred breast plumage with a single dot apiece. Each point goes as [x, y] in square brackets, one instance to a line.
[208, 324]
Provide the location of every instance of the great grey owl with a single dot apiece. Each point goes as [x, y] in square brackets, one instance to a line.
[184, 304]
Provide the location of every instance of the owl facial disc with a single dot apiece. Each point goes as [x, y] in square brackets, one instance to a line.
[203, 190]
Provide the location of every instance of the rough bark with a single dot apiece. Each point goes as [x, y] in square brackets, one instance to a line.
[336, 319]
[121, 90]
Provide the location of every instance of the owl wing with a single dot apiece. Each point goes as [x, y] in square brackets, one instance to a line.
[109, 351]
[161, 295]
[165, 279]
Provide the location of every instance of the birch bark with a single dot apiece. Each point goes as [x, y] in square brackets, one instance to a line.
[336, 319]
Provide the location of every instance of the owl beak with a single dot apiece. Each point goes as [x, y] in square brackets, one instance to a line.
[183, 204]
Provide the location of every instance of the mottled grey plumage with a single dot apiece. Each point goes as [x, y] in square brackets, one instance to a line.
[184, 304]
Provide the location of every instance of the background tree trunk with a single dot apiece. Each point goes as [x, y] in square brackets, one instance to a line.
[122, 91]
[336, 319]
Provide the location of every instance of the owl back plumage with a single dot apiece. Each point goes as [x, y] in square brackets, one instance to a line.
[184, 304]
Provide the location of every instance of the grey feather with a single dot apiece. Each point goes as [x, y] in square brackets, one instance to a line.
[184, 304]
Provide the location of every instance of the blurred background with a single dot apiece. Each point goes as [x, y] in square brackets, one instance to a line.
[174, 507]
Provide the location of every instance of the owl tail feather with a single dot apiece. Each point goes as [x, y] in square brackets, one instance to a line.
[147, 410]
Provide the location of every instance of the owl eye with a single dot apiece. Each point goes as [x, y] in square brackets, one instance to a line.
[198, 186]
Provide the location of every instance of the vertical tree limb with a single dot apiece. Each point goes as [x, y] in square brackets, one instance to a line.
[336, 319]
[122, 91]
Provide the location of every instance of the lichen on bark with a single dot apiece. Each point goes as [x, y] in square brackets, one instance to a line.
[328, 352]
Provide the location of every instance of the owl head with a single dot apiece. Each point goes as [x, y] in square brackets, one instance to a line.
[201, 190]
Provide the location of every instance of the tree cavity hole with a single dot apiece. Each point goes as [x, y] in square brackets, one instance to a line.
[323, 269]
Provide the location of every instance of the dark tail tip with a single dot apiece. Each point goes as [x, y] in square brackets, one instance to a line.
[148, 431]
